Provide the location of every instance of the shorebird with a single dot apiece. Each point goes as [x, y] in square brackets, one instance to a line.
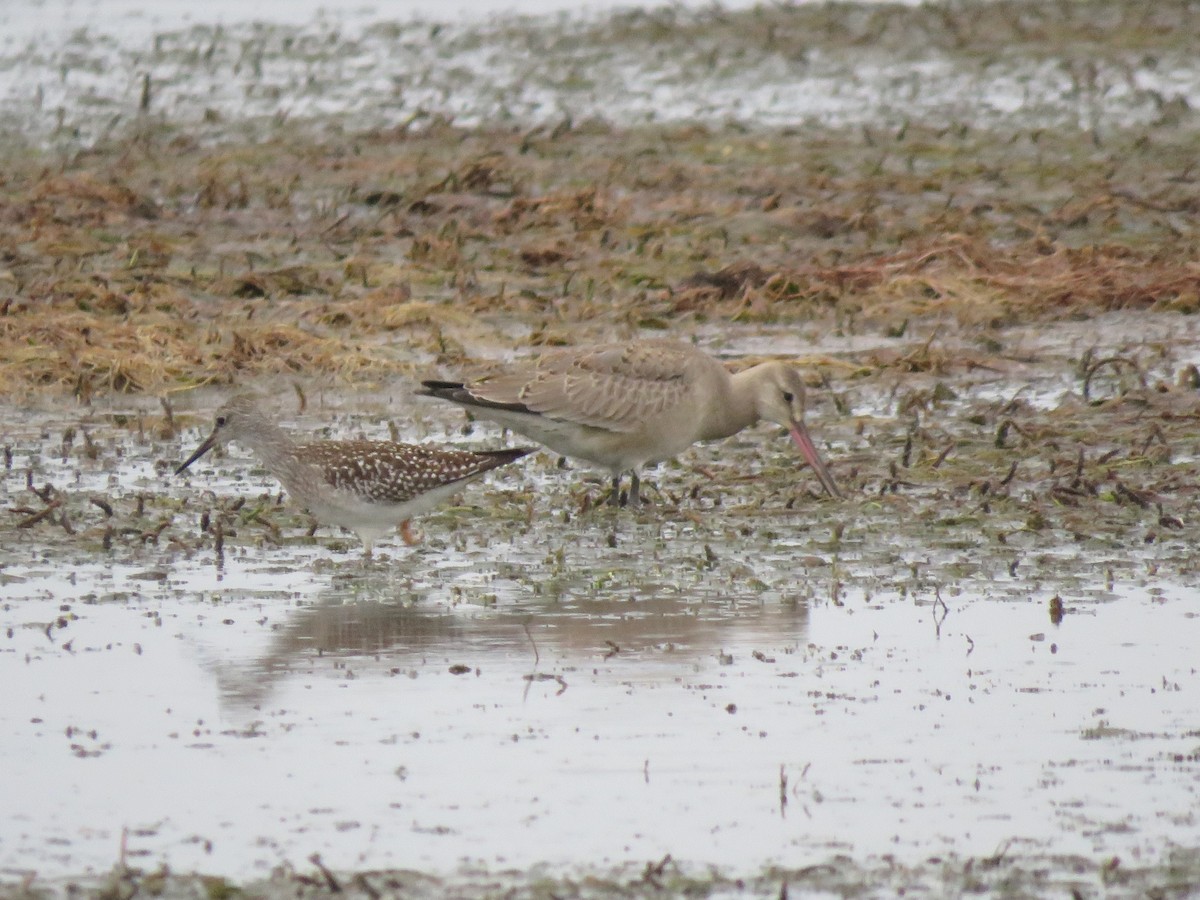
[620, 406]
[369, 487]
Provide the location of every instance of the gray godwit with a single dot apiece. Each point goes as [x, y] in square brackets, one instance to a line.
[620, 406]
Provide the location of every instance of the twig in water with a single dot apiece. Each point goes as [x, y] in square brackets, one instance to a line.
[330, 881]
[536, 656]
[42, 514]
[169, 413]
[545, 676]
[937, 621]
[1011, 473]
[941, 457]
[1115, 362]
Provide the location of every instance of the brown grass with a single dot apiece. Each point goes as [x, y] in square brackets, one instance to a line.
[154, 265]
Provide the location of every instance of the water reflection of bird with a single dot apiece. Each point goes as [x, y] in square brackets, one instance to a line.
[620, 406]
[337, 631]
[369, 487]
[368, 635]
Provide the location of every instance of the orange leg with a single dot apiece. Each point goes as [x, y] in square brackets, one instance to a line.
[406, 533]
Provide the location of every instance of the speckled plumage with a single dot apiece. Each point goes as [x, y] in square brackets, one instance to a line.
[622, 405]
[391, 473]
[369, 487]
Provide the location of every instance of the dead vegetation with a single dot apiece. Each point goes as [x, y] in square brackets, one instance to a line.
[155, 264]
[1004, 874]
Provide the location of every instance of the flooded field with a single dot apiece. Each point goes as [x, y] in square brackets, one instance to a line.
[742, 676]
[975, 230]
[85, 72]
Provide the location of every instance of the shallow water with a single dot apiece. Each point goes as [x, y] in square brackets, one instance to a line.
[236, 720]
[740, 676]
[727, 677]
[72, 74]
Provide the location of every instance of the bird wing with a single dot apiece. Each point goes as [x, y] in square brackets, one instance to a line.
[389, 472]
[617, 387]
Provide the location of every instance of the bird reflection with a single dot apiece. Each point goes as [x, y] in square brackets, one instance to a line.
[375, 636]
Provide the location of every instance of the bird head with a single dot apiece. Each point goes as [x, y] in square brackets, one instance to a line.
[235, 417]
[780, 398]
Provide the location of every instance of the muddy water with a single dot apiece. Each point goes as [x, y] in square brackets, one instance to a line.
[235, 721]
[742, 675]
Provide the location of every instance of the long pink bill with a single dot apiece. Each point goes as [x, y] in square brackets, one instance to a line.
[804, 442]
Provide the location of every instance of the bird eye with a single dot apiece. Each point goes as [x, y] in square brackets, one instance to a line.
[788, 396]
[221, 421]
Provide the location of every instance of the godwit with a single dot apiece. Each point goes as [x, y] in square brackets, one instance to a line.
[369, 487]
[620, 406]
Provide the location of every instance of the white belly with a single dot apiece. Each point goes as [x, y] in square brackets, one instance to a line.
[616, 451]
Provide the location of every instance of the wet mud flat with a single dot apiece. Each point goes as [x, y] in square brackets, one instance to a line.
[976, 673]
[963, 677]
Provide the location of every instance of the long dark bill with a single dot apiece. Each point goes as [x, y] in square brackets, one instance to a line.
[200, 451]
[804, 442]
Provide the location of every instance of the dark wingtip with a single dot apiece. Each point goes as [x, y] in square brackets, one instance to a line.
[509, 454]
[457, 392]
[443, 389]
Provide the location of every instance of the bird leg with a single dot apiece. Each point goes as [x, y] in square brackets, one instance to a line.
[406, 532]
[633, 498]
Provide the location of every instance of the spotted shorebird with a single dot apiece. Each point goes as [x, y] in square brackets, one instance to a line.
[620, 406]
[369, 487]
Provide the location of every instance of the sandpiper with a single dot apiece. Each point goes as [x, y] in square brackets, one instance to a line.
[369, 487]
[622, 405]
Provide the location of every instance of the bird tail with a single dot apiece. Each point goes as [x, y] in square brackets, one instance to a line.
[507, 455]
